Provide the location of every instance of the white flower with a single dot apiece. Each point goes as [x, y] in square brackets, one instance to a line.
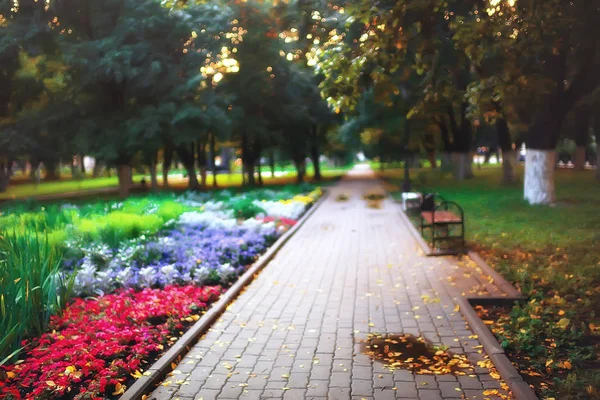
[277, 209]
[170, 272]
[124, 276]
[200, 274]
[85, 279]
[147, 276]
[226, 271]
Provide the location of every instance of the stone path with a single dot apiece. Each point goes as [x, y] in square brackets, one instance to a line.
[295, 332]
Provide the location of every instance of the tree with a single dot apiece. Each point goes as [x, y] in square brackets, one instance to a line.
[555, 47]
[134, 62]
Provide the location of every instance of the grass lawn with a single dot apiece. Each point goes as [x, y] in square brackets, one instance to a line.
[553, 255]
[28, 190]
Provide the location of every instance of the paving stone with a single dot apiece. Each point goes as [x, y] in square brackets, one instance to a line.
[449, 389]
[362, 387]
[428, 394]
[406, 390]
[207, 394]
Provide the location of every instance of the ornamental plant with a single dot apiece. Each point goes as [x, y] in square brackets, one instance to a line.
[97, 346]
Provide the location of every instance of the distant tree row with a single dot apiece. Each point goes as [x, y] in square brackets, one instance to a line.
[139, 79]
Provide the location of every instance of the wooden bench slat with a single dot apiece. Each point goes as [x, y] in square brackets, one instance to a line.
[441, 217]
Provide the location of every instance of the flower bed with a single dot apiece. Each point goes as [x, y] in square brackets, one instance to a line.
[141, 270]
[96, 345]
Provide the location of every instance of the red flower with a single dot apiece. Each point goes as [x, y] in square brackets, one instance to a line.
[95, 346]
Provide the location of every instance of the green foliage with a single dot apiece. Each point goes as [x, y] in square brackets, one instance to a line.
[32, 288]
[116, 227]
[245, 208]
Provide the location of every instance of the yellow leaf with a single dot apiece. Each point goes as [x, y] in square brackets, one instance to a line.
[549, 362]
[50, 383]
[567, 365]
[137, 374]
[563, 323]
[119, 389]
[10, 374]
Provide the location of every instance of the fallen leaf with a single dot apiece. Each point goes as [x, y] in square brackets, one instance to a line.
[563, 323]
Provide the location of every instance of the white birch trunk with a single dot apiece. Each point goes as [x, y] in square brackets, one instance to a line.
[539, 176]
[509, 163]
[579, 160]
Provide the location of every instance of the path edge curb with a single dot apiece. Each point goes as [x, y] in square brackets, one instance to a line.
[520, 389]
[162, 366]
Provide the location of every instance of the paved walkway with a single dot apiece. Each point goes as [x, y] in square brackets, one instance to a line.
[350, 270]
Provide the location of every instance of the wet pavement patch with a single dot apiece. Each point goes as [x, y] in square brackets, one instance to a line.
[414, 354]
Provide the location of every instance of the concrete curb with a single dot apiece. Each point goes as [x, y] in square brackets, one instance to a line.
[506, 287]
[514, 380]
[162, 366]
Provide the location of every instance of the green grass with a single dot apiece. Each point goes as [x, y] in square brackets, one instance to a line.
[553, 255]
[29, 190]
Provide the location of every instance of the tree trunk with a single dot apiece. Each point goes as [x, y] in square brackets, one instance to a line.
[153, 175]
[579, 159]
[167, 161]
[97, 169]
[124, 173]
[432, 159]
[202, 161]
[74, 170]
[509, 163]
[5, 174]
[446, 161]
[539, 176]
[186, 155]
[52, 172]
[260, 179]
[598, 159]
[81, 165]
[582, 133]
[213, 156]
[258, 153]
[250, 172]
[272, 162]
[315, 155]
[301, 169]
[509, 157]
[462, 165]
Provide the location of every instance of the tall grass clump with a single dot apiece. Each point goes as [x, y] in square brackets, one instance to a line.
[32, 288]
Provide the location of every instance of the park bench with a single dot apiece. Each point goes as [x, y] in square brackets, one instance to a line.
[445, 220]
